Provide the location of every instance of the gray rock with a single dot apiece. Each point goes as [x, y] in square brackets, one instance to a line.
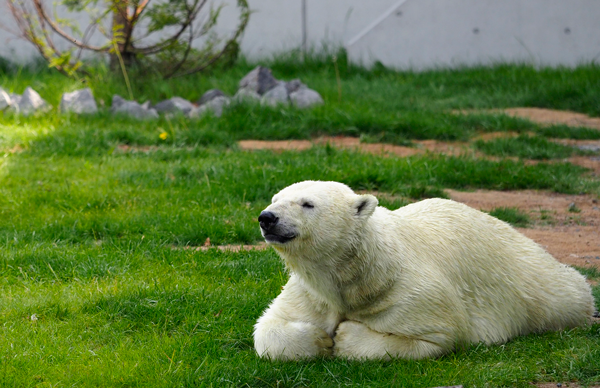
[117, 101]
[131, 108]
[216, 105]
[259, 80]
[79, 101]
[277, 95]
[210, 95]
[16, 98]
[31, 102]
[294, 85]
[5, 100]
[147, 105]
[305, 98]
[246, 95]
[174, 105]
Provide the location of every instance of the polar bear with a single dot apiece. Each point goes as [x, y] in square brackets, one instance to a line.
[370, 283]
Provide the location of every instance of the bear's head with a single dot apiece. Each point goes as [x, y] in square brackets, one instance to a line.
[315, 218]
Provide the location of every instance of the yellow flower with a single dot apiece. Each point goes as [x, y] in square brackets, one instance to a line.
[163, 136]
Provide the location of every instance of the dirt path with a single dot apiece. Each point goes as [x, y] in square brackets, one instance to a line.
[549, 116]
[568, 226]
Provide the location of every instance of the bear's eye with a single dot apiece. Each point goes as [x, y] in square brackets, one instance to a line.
[307, 205]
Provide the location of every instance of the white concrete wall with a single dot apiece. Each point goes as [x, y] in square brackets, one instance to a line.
[428, 33]
[410, 33]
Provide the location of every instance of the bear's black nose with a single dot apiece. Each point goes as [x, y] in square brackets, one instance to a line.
[267, 220]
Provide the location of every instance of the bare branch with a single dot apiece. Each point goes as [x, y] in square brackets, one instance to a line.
[56, 28]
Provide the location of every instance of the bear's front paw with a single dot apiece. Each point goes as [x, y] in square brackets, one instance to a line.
[293, 340]
[354, 340]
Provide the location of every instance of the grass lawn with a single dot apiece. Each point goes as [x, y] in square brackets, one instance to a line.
[100, 281]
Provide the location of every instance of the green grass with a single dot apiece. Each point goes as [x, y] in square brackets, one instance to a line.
[591, 273]
[185, 196]
[139, 313]
[512, 215]
[98, 286]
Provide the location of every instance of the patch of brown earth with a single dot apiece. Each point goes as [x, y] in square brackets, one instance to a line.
[550, 117]
[542, 116]
[495, 135]
[592, 163]
[227, 248]
[354, 143]
[129, 148]
[336, 141]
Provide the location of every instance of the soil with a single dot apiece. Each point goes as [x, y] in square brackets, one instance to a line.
[548, 116]
[567, 226]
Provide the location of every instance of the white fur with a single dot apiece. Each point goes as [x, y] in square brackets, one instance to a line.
[417, 282]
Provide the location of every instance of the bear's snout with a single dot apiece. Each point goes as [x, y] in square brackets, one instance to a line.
[267, 220]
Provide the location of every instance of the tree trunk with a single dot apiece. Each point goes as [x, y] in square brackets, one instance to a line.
[121, 28]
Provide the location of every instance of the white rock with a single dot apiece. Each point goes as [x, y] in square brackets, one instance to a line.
[16, 99]
[79, 101]
[174, 105]
[5, 99]
[246, 95]
[277, 95]
[117, 101]
[31, 102]
[259, 80]
[216, 105]
[305, 98]
[294, 85]
[131, 108]
[210, 95]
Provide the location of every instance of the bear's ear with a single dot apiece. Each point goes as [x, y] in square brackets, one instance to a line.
[364, 205]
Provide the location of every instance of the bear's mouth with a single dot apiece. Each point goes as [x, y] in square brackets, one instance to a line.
[277, 238]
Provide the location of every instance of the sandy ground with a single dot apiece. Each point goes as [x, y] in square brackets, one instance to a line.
[567, 226]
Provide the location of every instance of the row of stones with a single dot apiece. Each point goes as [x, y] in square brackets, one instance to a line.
[257, 86]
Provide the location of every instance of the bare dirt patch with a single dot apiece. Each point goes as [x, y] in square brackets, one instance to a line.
[543, 116]
[550, 117]
[226, 248]
[354, 143]
[335, 141]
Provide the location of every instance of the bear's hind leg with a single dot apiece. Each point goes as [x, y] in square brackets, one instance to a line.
[354, 340]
